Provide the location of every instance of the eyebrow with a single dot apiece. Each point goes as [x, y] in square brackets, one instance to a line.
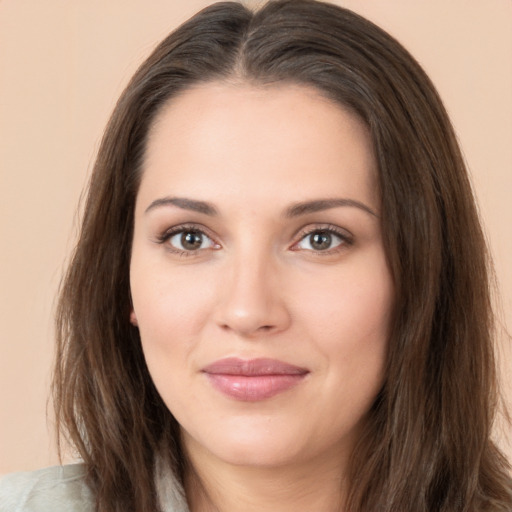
[185, 204]
[318, 205]
[295, 210]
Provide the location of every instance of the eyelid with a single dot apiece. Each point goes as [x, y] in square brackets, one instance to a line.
[346, 237]
[167, 234]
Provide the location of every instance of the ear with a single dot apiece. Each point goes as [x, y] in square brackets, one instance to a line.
[133, 318]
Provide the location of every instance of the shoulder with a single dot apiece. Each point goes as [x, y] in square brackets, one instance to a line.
[55, 489]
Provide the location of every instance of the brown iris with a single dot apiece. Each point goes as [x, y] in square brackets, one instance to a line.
[321, 240]
[191, 240]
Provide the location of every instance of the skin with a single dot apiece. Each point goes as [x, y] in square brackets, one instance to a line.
[257, 286]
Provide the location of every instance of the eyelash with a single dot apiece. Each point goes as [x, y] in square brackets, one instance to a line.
[345, 238]
[184, 228]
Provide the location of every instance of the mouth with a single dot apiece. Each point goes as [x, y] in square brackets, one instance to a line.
[253, 380]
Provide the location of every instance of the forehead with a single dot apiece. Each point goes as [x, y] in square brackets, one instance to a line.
[275, 141]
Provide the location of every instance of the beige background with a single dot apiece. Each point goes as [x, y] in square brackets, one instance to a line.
[63, 63]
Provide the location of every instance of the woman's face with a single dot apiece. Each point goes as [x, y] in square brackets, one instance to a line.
[258, 275]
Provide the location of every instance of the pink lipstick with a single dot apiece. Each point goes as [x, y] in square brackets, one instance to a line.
[253, 380]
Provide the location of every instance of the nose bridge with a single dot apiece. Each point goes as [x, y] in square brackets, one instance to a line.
[251, 300]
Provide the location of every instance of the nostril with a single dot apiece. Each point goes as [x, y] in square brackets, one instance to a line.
[247, 330]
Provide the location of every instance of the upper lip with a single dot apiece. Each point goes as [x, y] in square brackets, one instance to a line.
[252, 367]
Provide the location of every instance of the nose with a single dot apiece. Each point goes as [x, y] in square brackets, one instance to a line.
[252, 299]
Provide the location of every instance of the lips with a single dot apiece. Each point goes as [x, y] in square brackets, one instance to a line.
[253, 380]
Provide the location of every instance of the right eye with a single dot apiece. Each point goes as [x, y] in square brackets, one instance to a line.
[189, 240]
[321, 240]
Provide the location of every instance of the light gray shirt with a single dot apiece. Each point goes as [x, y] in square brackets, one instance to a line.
[63, 489]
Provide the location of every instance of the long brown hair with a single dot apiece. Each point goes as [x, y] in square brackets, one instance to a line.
[427, 442]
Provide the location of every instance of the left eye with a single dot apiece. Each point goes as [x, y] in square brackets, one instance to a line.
[190, 240]
[321, 240]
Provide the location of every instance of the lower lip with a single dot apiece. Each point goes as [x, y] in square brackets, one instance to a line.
[255, 387]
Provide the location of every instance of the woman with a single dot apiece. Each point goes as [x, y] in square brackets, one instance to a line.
[280, 297]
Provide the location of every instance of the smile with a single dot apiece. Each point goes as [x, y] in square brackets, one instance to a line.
[253, 380]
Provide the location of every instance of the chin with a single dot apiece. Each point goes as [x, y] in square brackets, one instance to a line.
[259, 444]
[258, 454]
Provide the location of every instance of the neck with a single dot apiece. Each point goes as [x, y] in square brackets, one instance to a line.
[222, 487]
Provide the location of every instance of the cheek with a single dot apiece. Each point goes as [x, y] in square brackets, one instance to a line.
[350, 323]
[352, 308]
[169, 302]
[169, 314]
[171, 309]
